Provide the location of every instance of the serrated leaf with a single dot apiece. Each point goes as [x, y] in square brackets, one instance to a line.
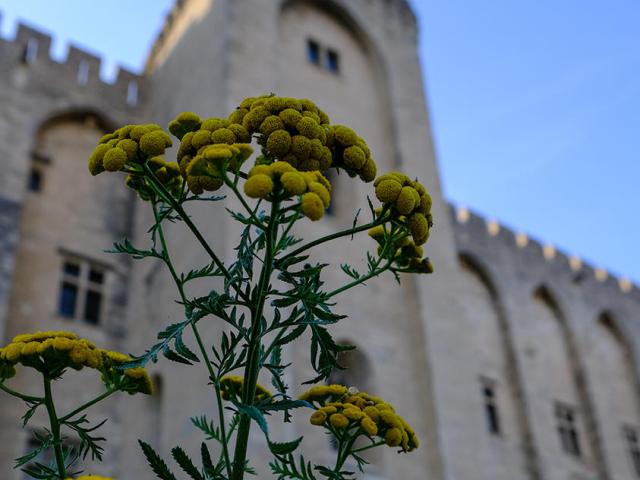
[284, 405]
[155, 462]
[182, 459]
[284, 448]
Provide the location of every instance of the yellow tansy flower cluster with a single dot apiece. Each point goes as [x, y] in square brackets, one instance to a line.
[231, 386]
[131, 143]
[405, 253]
[61, 349]
[352, 153]
[314, 187]
[408, 199]
[342, 408]
[207, 145]
[293, 130]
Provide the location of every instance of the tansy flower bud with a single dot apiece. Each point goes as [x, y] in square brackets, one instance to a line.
[388, 191]
[300, 147]
[200, 139]
[95, 160]
[223, 135]
[258, 186]
[270, 125]
[338, 420]
[293, 183]
[354, 157]
[369, 426]
[237, 116]
[114, 159]
[369, 170]
[308, 127]
[279, 143]
[129, 146]
[393, 437]
[154, 143]
[406, 200]
[214, 123]
[312, 206]
[275, 104]
[419, 228]
[322, 192]
[290, 117]
[318, 418]
[344, 135]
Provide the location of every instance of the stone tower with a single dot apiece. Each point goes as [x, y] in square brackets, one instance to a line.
[513, 362]
[212, 54]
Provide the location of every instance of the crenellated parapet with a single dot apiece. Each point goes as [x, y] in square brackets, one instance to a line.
[488, 236]
[26, 64]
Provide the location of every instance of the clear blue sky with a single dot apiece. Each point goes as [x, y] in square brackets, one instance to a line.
[535, 105]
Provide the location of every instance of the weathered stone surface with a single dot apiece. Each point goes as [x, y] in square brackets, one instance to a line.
[501, 312]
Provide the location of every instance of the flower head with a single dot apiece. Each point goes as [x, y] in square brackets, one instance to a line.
[340, 408]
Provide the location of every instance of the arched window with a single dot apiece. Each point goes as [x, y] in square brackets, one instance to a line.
[616, 396]
[561, 408]
[496, 426]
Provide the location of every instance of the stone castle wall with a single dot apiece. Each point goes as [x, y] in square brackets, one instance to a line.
[502, 312]
[52, 114]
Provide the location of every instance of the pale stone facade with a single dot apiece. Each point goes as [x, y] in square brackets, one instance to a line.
[512, 361]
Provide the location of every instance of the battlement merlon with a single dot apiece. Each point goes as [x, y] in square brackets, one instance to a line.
[477, 226]
[79, 74]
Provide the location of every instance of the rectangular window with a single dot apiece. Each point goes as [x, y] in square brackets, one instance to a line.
[68, 300]
[333, 61]
[567, 429]
[35, 180]
[632, 436]
[313, 52]
[491, 407]
[81, 291]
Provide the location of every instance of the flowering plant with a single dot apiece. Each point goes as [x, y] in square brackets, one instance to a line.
[285, 185]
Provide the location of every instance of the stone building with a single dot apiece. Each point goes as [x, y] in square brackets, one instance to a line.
[514, 361]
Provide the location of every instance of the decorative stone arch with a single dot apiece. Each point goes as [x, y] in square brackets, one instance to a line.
[609, 322]
[475, 267]
[79, 114]
[544, 294]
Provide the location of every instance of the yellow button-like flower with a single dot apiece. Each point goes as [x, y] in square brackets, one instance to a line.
[338, 420]
[393, 437]
[258, 186]
[312, 206]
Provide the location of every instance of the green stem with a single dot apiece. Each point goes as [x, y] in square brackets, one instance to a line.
[55, 428]
[334, 236]
[21, 396]
[87, 405]
[373, 273]
[343, 452]
[253, 358]
[373, 445]
[167, 198]
[167, 260]
[234, 188]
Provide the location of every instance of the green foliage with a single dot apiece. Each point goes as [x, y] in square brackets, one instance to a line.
[266, 298]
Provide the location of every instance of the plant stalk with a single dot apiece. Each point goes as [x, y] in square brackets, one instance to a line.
[68, 416]
[253, 358]
[55, 428]
[167, 260]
